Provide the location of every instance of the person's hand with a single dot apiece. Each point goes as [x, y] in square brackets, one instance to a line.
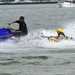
[9, 23]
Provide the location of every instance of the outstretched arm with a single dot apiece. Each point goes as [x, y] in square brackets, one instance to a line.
[11, 22]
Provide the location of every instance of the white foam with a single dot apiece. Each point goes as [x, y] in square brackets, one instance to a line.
[34, 39]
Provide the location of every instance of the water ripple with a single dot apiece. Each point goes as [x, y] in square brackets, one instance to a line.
[10, 63]
[5, 74]
[35, 57]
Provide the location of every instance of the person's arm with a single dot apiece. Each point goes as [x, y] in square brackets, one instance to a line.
[11, 22]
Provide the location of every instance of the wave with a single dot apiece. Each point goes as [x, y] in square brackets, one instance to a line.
[35, 40]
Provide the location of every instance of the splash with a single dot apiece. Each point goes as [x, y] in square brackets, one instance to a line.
[35, 40]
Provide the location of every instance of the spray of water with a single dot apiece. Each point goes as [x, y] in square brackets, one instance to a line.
[35, 39]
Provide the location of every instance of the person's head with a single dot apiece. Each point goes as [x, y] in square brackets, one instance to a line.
[59, 30]
[21, 18]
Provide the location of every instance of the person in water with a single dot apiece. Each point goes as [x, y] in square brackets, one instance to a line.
[59, 37]
[22, 27]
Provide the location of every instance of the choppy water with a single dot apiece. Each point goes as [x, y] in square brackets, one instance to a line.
[33, 55]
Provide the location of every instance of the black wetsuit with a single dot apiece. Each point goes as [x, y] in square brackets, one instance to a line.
[61, 33]
[23, 27]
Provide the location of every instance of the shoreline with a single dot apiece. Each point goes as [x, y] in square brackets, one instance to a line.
[25, 3]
